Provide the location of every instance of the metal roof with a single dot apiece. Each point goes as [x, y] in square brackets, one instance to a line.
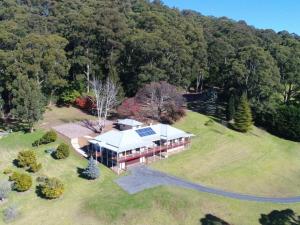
[120, 141]
[129, 122]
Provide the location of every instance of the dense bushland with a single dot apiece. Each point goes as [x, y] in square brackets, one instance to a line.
[51, 49]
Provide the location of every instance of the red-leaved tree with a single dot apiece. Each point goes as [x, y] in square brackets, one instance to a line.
[129, 108]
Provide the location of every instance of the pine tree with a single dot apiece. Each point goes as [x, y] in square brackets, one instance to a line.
[243, 116]
[231, 108]
[211, 103]
[92, 171]
[28, 101]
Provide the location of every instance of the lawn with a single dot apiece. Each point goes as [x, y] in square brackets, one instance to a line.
[256, 163]
[58, 115]
[103, 202]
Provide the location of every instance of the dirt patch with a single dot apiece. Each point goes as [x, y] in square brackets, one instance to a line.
[73, 130]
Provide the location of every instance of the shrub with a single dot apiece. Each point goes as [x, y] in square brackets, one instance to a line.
[68, 97]
[27, 159]
[92, 171]
[7, 171]
[10, 214]
[86, 103]
[35, 167]
[22, 181]
[5, 189]
[47, 138]
[52, 188]
[41, 179]
[62, 151]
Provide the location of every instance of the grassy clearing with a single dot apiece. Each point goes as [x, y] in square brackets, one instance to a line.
[255, 163]
[58, 115]
[103, 202]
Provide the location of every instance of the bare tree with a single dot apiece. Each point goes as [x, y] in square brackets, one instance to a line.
[110, 91]
[98, 90]
[105, 98]
[156, 98]
[87, 76]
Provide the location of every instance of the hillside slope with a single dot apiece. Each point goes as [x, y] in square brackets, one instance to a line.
[255, 163]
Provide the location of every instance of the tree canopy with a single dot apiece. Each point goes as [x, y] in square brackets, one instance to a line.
[62, 44]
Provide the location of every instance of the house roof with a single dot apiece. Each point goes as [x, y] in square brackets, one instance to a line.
[120, 141]
[129, 122]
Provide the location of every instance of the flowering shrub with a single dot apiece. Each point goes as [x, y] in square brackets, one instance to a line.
[85, 103]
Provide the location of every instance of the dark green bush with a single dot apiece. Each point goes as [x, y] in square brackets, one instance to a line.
[62, 151]
[22, 181]
[68, 97]
[47, 138]
[51, 188]
[287, 122]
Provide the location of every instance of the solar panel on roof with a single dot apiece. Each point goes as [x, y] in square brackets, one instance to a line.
[145, 132]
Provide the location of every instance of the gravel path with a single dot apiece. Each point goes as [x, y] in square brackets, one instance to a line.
[142, 178]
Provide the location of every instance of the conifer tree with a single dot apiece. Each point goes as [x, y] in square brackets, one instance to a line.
[243, 116]
[92, 171]
[231, 108]
[28, 101]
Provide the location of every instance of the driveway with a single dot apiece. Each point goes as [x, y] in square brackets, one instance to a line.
[142, 178]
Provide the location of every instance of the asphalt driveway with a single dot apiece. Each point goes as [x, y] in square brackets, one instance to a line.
[142, 178]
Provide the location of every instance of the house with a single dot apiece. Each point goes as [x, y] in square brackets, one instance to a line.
[135, 142]
[127, 124]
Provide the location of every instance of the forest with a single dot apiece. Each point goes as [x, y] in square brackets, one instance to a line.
[50, 47]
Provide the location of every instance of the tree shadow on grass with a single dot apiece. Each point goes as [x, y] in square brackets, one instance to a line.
[10, 124]
[283, 217]
[38, 191]
[210, 219]
[80, 172]
[15, 162]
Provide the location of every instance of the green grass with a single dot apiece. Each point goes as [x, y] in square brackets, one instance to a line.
[103, 202]
[255, 163]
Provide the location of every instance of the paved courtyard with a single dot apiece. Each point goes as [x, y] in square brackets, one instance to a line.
[142, 178]
[80, 129]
